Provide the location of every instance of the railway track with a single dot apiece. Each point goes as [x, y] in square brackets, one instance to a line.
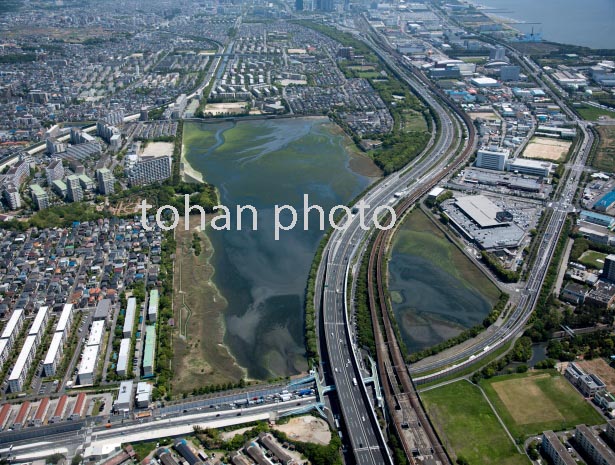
[416, 433]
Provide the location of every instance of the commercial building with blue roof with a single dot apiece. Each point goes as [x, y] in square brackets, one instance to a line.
[598, 218]
[605, 202]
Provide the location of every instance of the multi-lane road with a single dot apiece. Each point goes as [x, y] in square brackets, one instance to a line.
[364, 434]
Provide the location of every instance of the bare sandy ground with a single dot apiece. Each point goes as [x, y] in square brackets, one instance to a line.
[157, 149]
[546, 148]
[307, 429]
[220, 108]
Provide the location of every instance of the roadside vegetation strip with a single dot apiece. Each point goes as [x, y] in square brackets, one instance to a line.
[468, 426]
[536, 401]
[467, 370]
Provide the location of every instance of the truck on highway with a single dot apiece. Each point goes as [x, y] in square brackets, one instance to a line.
[354, 381]
[304, 392]
[285, 397]
[241, 403]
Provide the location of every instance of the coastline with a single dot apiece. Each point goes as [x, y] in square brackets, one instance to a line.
[187, 172]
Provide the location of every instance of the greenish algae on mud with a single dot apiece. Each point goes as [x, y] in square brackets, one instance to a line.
[264, 163]
[437, 292]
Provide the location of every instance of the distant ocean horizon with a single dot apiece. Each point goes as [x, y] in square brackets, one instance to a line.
[590, 23]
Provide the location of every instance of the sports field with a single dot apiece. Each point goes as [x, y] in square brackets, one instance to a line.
[592, 259]
[533, 402]
[546, 148]
[468, 427]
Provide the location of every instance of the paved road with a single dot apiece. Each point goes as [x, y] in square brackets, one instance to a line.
[365, 436]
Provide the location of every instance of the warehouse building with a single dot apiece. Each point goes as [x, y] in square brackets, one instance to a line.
[38, 325]
[597, 218]
[12, 328]
[152, 308]
[122, 358]
[54, 354]
[483, 222]
[148, 351]
[605, 202]
[129, 318]
[22, 365]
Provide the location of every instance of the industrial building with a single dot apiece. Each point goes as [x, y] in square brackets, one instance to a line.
[38, 325]
[122, 358]
[481, 210]
[597, 218]
[531, 167]
[148, 351]
[605, 202]
[54, 354]
[599, 453]
[152, 309]
[129, 318]
[555, 450]
[492, 158]
[480, 220]
[22, 365]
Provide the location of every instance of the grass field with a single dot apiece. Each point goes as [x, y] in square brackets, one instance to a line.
[533, 402]
[468, 427]
[590, 113]
[605, 156]
[199, 356]
[592, 259]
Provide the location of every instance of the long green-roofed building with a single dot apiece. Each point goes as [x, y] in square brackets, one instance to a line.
[152, 307]
[149, 351]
